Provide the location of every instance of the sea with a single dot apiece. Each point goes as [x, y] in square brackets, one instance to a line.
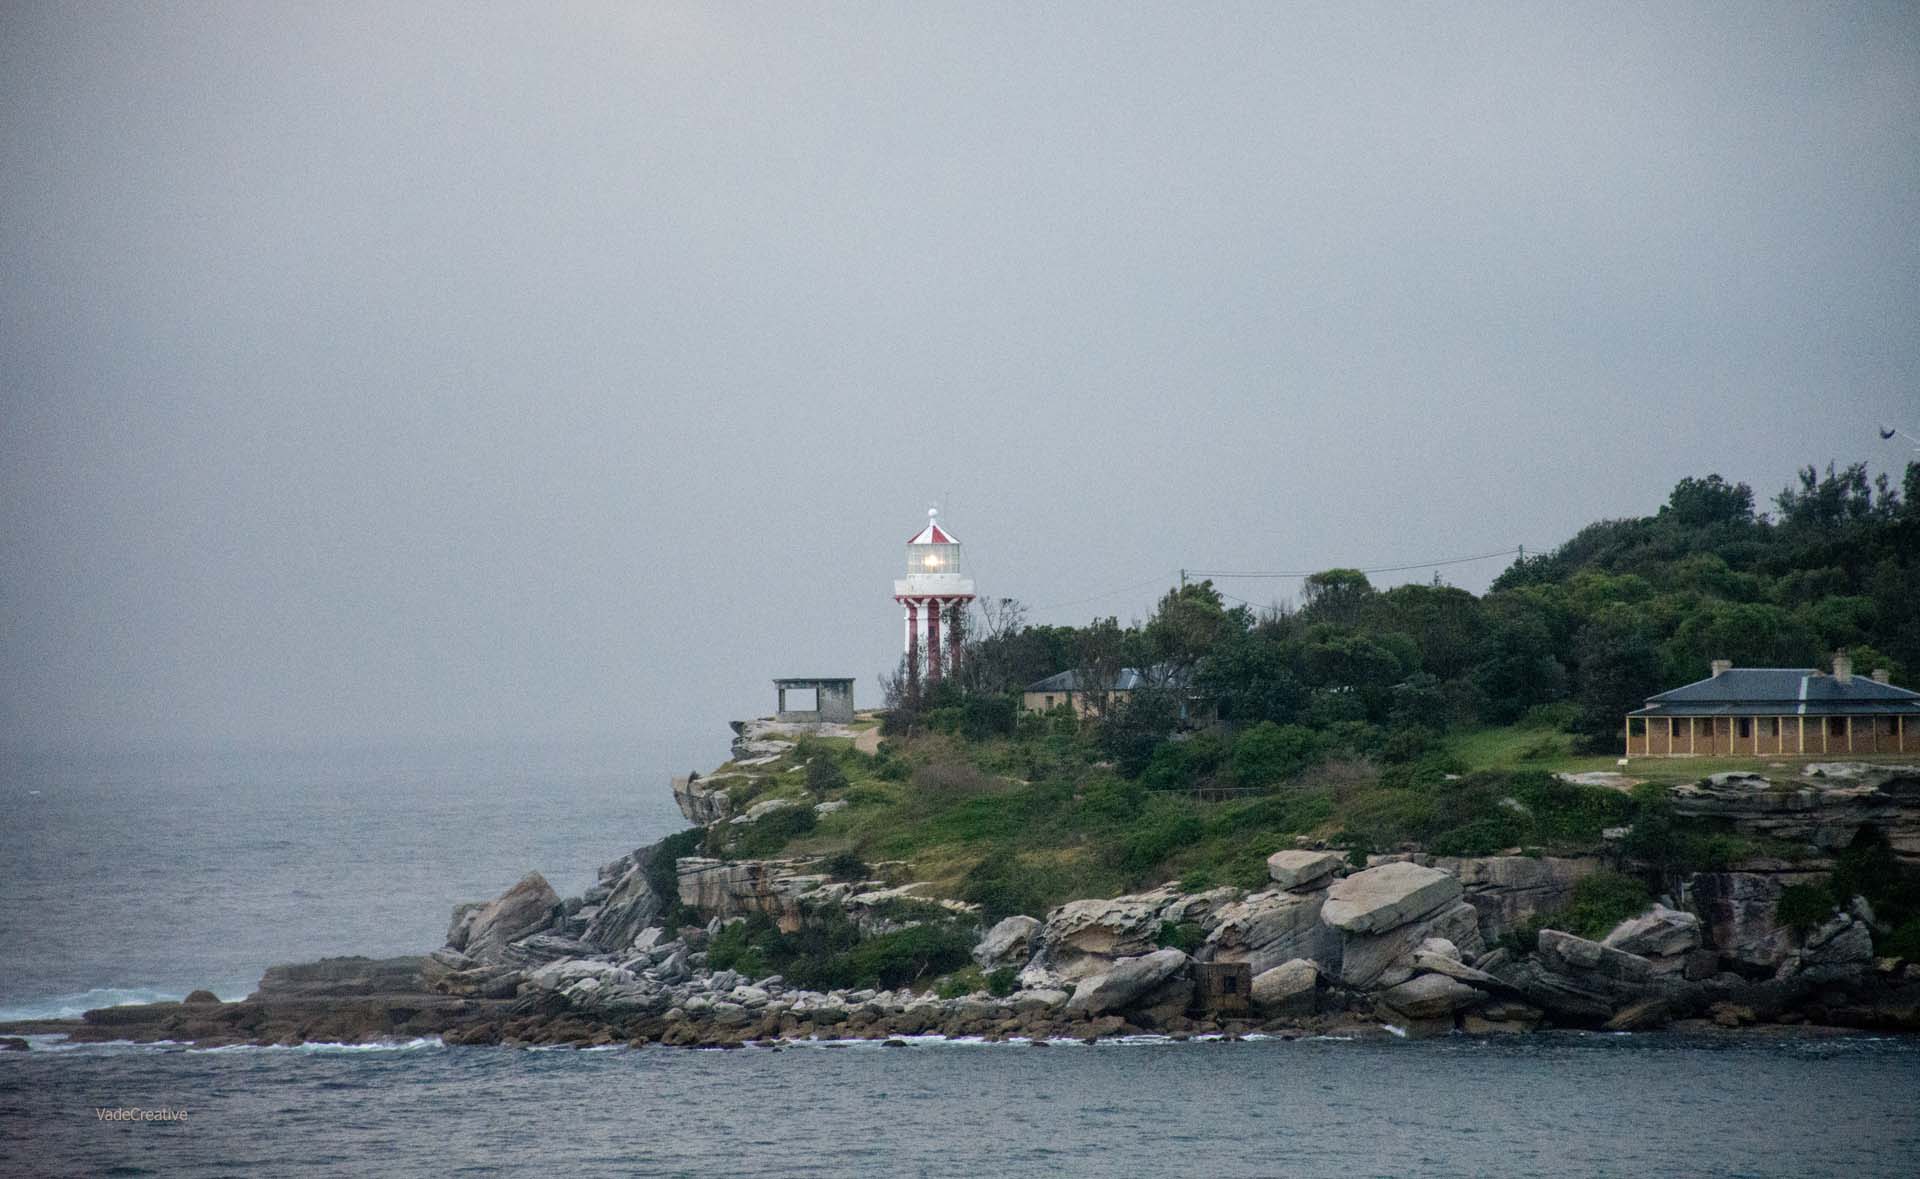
[132, 877]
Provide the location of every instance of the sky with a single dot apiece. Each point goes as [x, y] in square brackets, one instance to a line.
[394, 372]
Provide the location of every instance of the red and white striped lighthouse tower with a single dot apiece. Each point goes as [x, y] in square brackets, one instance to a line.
[932, 592]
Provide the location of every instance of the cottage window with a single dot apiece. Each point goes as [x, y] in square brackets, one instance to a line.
[1049, 702]
[1673, 728]
[1746, 726]
[1636, 726]
[1836, 726]
[1773, 726]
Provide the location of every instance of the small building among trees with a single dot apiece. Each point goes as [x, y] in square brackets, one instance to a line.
[1778, 711]
[1069, 688]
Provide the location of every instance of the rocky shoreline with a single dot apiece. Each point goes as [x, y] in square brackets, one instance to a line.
[1409, 944]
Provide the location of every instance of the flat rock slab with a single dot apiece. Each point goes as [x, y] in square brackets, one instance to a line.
[1302, 869]
[1387, 897]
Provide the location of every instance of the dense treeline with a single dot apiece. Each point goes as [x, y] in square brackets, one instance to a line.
[1572, 639]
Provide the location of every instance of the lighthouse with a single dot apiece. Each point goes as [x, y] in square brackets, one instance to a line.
[932, 593]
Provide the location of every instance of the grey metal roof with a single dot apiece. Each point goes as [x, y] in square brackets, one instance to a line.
[1127, 680]
[1782, 691]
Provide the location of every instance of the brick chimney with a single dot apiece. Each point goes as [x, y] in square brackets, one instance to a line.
[1843, 668]
[1721, 667]
[1879, 675]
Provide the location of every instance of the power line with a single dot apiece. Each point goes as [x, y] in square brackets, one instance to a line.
[1378, 569]
[1096, 597]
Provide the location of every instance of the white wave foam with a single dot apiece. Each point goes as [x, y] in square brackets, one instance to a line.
[318, 1046]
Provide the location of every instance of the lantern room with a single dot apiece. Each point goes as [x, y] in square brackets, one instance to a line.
[934, 552]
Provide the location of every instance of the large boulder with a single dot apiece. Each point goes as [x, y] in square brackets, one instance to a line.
[631, 906]
[1269, 928]
[1301, 870]
[484, 931]
[1430, 996]
[1661, 935]
[703, 801]
[1843, 941]
[1738, 910]
[1289, 989]
[1566, 954]
[1160, 984]
[1582, 981]
[1387, 897]
[1008, 943]
[1083, 938]
[1200, 908]
[1383, 959]
[1508, 891]
[739, 888]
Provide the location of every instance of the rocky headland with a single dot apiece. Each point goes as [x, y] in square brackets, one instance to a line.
[1404, 943]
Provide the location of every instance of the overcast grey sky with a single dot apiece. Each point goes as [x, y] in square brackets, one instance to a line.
[383, 371]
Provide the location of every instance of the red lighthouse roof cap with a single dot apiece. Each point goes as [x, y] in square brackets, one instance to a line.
[933, 533]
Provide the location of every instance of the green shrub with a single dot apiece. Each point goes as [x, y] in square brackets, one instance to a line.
[1869, 868]
[961, 982]
[1903, 942]
[1000, 888]
[845, 866]
[1163, 828]
[1113, 800]
[1600, 902]
[1502, 829]
[1408, 744]
[982, 717]
[1186, 935]
[771, 832]
[738, 946]
[1801, 907]
[907, 956]
[1266, 753]
[824, 774]
[663, 874]
[1198, 879]
[1567, 813]
[1003, 982]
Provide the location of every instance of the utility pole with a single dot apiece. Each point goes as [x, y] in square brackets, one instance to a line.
[1183, 581]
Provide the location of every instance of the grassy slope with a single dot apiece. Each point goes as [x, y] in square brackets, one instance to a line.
[1065, 826]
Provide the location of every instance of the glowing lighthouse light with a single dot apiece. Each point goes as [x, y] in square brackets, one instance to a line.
[933, 590]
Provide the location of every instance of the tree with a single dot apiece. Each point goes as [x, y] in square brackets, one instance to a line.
[1099, 658]
[1136, 724]
[1619, 668]
[1702, 503]
[1339, 596]
[1267, 752]
[1185, 628]
[1249, 677]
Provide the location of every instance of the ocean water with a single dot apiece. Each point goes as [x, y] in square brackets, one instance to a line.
[130, 878]
[1559, 1104]
[126, 878]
